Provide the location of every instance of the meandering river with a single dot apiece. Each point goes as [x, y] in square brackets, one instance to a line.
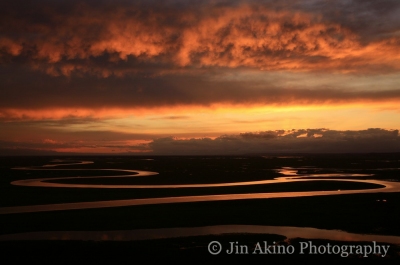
[290, 175]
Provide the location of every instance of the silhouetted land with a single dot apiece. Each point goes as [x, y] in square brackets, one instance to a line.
[375, 213]
[193, 250]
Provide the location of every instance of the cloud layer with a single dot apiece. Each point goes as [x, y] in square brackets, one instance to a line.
[37, 96]
[69, 56]
[129, 71]
[266, 142]
[100, 38]
[295, 141]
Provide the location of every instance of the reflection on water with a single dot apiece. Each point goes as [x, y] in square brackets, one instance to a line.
[290, 171]
[290, 176]
[146, 234]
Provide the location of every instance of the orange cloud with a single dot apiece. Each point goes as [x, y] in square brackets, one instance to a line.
[229, 36]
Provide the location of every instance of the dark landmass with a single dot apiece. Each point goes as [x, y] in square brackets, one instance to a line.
[359, 213]
[193, 250]
[373, 213]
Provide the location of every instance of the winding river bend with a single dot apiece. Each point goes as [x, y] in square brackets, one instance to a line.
[290, 175]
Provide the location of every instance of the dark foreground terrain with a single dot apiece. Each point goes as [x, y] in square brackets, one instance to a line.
[372, 213]
[192, 250]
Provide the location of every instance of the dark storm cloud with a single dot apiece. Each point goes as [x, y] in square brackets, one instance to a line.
[37, 91]
[296, 141]
[370, 19]
[120, 37]
[128, 54]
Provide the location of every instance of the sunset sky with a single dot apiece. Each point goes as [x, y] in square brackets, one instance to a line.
[199, 77]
